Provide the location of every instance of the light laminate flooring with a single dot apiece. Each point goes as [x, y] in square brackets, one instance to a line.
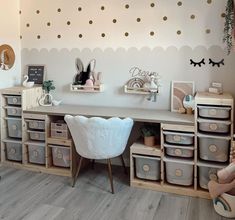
[28, 195]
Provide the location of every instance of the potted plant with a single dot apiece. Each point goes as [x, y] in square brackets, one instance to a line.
[229, 25]
[149, 132]
[47, 86]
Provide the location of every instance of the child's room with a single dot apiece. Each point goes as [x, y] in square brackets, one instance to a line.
[117, 109]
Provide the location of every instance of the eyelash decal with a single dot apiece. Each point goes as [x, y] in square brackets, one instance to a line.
[197, 63]
[216, 63]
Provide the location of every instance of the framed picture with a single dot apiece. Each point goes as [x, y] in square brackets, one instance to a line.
[179, 89]
[36, 73]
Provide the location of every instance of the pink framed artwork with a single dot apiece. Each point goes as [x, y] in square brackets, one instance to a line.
[179, 89]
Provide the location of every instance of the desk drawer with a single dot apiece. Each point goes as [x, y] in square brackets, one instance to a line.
[178, 138]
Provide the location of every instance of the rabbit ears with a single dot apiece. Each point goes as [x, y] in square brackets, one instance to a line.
[90, 67]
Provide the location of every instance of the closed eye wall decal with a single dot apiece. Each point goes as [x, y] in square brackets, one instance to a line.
[218, 64]
[197, 63]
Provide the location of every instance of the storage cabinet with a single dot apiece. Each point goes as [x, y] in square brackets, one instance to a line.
[13, 101]
[214, 135]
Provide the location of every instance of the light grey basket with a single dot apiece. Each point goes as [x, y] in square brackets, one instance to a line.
[207, 172]
[36, 124]
[13, 111]
[13, 150]
[36, 153]
[37, 135]
[14, 127]
[60, 155]
[178, 138]
[214, 112]
[213, 149]
[13, 100]
[179, 171]
[214, 126]
[147, 167]
[179, 151]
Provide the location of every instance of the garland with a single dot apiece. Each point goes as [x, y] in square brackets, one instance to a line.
[229, 25]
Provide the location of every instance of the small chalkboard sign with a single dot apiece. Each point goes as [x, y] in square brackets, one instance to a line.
[36, 74]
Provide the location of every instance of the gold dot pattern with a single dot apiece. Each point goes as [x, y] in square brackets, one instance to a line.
[102, 21]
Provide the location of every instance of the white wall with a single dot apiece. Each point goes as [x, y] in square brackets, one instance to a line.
[201, 30]
[10, 34]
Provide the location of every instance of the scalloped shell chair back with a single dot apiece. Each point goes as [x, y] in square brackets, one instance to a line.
[99, 138]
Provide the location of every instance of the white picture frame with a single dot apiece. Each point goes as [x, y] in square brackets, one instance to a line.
[179, 89]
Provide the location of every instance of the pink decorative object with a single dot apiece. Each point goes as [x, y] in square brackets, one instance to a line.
[89, 85]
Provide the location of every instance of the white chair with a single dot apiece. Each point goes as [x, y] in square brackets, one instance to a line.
[99, 138]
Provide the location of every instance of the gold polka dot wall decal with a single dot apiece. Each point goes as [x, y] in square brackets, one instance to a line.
[223, 15]
[59, 10]
[27, 25]
[126, 34]
[138, 19]
[20, 36]
[114, 21]
[68, 22]
[192, 17]
[208, 31]
[103, 35]
[79, 8]
[20, 12]
[90, 22]
[48, 24]
[59, 36]
[179, 32]
[127, 6]
[152, 5]
[179, 3]
[38, 37]
[38, 12]
[209, 1]
[164, 18]
[80, 35]
[102, 8]
[152, 33]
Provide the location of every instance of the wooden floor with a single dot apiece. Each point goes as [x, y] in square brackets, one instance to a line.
[35, 196]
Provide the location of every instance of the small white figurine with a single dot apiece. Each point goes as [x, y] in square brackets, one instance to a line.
[26, 83]
[152, 86]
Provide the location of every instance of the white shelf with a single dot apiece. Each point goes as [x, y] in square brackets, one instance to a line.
[134, 90]
[87, 89]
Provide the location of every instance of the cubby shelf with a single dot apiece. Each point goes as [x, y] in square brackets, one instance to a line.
[87, 89]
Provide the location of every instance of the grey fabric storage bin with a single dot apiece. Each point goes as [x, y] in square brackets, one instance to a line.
[147, 167]
[36, 153]
[214, 112]
[213, 149]
[222, 127]
[37, 135]
[207, 172]
[179, 151]
[13, 100]
[60, 155]
[13, 111]
[13, 150]
[179, 171]
[178, 138]
[36, 124]
[14, 127]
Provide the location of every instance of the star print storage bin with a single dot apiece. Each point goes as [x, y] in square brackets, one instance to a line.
[179, 171]
[60, 155]
[179, 151]
[214, 112]
[207, 172]
[147, 167]
[13, 100]
[36, 124]
[14, 127]
[36, 153]
[178, 138]
[213, 149]
[13, 111]
[13, 150]
[214, 126]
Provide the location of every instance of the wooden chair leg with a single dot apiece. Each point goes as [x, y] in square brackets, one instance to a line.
[92, 164]
[110, 174]
[123, 164]
[78, 170]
